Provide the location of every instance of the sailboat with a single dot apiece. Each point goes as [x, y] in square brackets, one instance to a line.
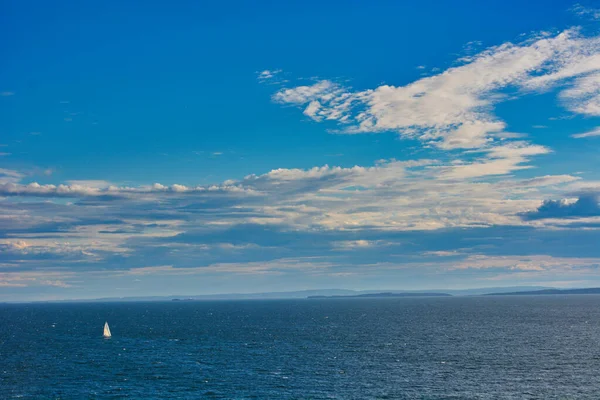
[106, 330]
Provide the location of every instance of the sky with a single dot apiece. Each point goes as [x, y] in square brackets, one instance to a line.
[180, 148]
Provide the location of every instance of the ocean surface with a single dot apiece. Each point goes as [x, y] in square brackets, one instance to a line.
[529, 347]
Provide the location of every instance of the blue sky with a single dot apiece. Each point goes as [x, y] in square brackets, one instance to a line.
[203, 147]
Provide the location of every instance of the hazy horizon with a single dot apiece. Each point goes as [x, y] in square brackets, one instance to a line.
[302, 293]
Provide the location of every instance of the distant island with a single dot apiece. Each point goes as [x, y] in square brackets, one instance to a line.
[347, 293]
[385, 294]
[548, 292]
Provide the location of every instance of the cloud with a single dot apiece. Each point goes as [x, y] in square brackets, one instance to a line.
[422, 194]
[201, 243]
[585, 206]
[358, 244]
[325, 90]
[73, 246]
[9, 176]
[91, 183]
[268, 267]
[55, 283]
[6, 94]
[500, 160]
[547, 180]
[268, 74]
[442, 253]
[587, 12]
[453, 109]
[35, 189]
[11, 173]
[98, 189]
[592, 133]
[465, 208]
[583, 97]
[23, 279]
[536, 263]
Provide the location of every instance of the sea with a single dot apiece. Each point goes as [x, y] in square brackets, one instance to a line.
[487, 347]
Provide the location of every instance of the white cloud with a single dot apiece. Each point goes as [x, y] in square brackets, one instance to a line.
[266, 267]
[98, 189]
[592, 133]
[6, 94]
[268, 74]
[453, 109]
[442, 253]
[398, 195]
[11, 173]
[75, 244]
[55, 283]
[526, 263]
[500, 160]
[9, 176]
[498, 267]
[588, 12]
[547, 180]
[36, 278]
[91, 183]
[358, 244]
[303, 94]
[584, 95]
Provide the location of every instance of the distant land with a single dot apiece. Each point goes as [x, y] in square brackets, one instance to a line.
[548, 292]
[387, 294]
[303, 294]
[343, 293]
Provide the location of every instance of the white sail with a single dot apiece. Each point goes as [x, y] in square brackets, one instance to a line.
[106, 330]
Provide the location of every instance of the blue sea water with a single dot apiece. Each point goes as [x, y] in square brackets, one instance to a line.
[525, 347]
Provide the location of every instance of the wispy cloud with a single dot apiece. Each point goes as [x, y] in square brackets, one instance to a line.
[454, 109]
[268, 74]
[91, 183]
[100, 189]
[35, 278]
[9, 176]
[536, 263]
[592, 133]
[267, 267]
[587, 12]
